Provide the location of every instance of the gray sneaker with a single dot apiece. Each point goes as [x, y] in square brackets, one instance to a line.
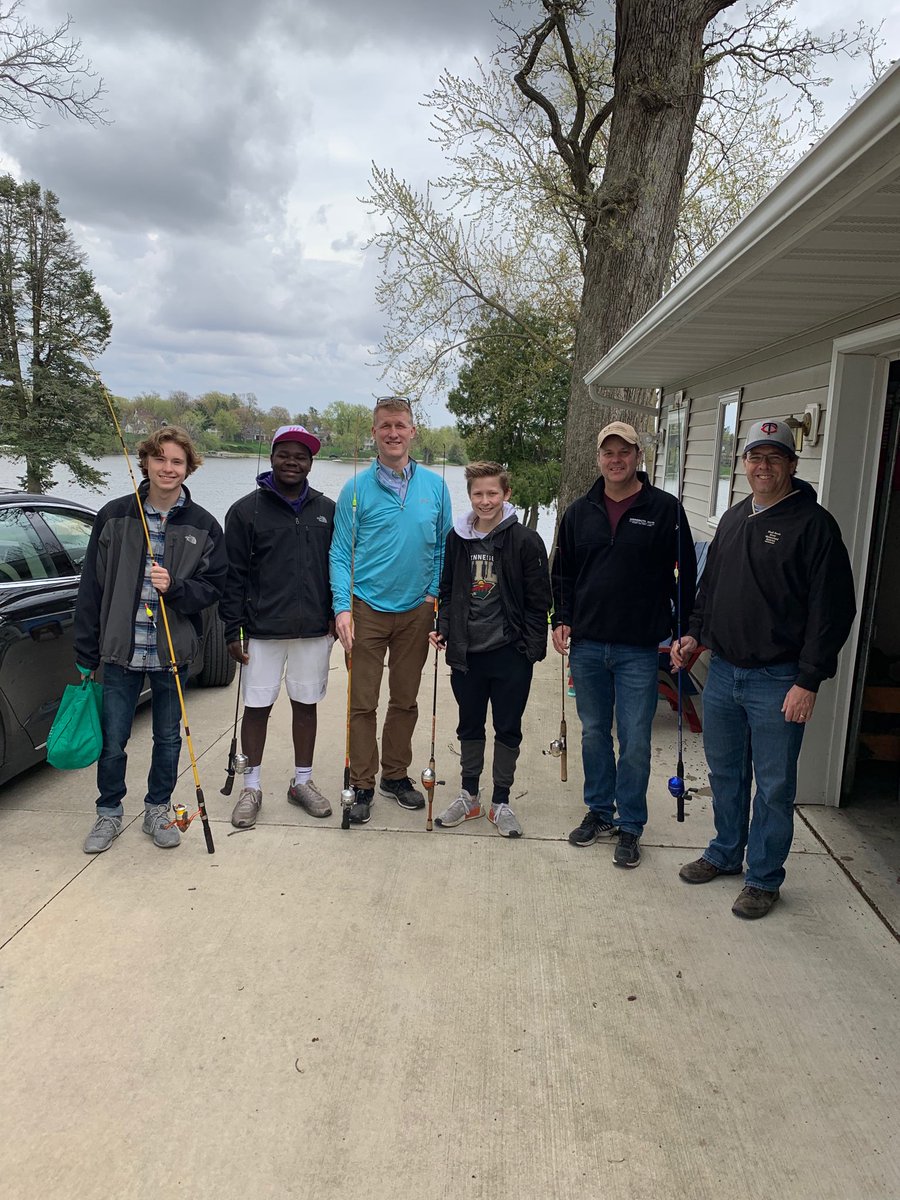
[247, 809]
[308, 796]
[465, 807]
[156, 818]
[104, 831]
[506, 821]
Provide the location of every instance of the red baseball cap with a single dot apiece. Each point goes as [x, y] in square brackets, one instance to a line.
[296, 433]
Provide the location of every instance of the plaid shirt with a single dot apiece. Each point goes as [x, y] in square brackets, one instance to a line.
[146, 657]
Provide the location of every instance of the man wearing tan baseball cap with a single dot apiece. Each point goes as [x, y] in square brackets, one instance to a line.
[614, 589]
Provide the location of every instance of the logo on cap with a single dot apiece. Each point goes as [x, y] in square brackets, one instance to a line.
[769, 427]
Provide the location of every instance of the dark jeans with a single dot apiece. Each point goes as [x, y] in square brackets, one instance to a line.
[501, 677]
[121, 689]
[746, 738]
[615, 679]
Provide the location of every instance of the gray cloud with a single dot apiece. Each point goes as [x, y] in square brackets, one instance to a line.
[218, 210]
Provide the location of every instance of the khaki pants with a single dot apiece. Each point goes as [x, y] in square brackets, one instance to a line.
[405, 635]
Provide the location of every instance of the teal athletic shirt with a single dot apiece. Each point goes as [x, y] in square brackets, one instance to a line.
[399, 545]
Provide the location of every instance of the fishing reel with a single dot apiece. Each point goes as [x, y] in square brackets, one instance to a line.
[558, 748]
[679, 792]
[181, 818]
[677, 787]
[429, 778]
[348, 799]
[238, 764]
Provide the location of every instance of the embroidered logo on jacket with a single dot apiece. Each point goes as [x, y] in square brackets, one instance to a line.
[641, 521]
[772, 536]
[189, 537]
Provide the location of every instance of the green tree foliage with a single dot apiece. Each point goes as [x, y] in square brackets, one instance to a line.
[434, 447]
[510, 403]
[226, 421]
[52, 322]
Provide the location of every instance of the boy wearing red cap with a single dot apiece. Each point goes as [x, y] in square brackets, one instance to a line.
[277, 612]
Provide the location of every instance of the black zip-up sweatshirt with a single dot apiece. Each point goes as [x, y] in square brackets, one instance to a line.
[113, 574]
[278, 584]
[520, 561]
[623, 589]
[777, 588]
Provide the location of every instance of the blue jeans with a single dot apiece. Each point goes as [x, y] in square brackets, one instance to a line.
[745, 735]
[609, 676]
[121, 689]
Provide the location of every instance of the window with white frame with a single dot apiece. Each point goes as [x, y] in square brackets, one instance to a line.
[723, 456]
[674, 446]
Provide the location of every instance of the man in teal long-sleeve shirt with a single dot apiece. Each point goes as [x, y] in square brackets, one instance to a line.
[390, 525]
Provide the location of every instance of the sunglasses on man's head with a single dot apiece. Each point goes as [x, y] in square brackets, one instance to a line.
[380, 400]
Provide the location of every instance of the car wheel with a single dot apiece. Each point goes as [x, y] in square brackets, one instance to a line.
[218, 666]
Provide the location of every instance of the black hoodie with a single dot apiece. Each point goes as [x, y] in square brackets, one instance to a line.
[777, 588]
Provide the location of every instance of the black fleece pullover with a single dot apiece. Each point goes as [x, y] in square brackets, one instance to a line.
[777, 588]
[623, 589]
[277, 585]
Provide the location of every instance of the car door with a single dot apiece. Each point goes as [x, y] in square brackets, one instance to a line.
[38, 587]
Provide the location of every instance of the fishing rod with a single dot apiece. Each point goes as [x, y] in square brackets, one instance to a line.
[429, 776]
[559, 747]
[677, 788]
[348, 794]
[238, 762]
[181, 817]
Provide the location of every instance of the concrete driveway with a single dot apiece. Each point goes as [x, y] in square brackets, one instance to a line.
[387, 1012]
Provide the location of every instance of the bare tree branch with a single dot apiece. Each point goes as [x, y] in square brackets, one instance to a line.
[44, 69]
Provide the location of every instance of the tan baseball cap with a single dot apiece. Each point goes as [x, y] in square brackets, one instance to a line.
[618, 429]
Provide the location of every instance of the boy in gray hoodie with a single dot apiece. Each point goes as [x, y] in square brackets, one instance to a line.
[492, 621]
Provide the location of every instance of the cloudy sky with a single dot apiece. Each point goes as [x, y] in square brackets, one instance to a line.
[219, 208]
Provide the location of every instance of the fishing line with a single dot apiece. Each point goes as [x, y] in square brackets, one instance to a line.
[429, 776]
[238, 763]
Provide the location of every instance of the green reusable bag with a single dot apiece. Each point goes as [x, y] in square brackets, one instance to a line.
[76, 739]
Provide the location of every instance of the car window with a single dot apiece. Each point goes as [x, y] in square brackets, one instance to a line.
[73, 529]
[22, 553]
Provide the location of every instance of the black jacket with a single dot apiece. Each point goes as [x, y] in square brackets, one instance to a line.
[777, 588]
[623, 589]
[521, 565]
[113, 574]
[277, 567]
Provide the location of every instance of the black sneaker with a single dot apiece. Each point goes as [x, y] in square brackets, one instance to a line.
[402, 791]
[361, 808]
[628, 851]
[591, 829]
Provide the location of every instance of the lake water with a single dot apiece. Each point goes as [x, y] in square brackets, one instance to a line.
[221, 481]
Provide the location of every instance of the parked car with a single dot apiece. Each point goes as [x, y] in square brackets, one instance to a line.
[43, 541]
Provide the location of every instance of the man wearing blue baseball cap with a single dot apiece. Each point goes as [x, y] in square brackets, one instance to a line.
[277, 612]
[775, 606]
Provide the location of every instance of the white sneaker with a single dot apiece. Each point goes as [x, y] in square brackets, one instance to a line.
[464, 808]
[506, 821]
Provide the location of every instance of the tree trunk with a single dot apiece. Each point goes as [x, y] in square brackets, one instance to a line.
[658, 91]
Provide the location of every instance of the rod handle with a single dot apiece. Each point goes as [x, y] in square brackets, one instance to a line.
[207, 828]
[229, 781]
